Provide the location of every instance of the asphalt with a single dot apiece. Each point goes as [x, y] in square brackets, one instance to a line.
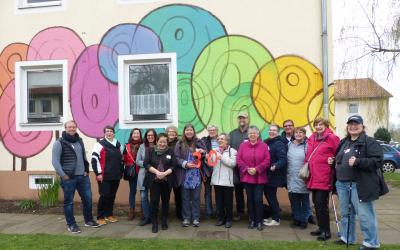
[387, 208]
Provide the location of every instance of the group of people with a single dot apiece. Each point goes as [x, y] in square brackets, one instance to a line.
[242, 162]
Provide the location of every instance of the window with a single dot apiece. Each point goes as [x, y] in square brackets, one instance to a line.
[353, 108]
[41, 95]
[148, 90]
[40, 181]
[22, 4]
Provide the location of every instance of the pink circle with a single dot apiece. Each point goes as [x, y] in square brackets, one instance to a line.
[94, 100]
[21, 144]
[56, 43]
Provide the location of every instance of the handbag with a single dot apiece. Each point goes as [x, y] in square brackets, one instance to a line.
[383, 187]
[130, 172]
[304, 172]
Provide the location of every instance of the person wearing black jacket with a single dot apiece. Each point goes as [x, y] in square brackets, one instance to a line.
[160, 162]
[276, 173]
[357, 161]
[107, 165]
[206, 171]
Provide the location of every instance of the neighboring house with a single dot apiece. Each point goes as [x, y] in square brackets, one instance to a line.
[361, 96]
[151, 63]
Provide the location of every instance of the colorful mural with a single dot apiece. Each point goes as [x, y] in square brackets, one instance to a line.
[219, 75]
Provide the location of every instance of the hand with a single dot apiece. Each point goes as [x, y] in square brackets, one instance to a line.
[272, 168]
[331, 160]
[200, 150]
[251, 171]
[66, 178]
[352, 160]
[160, 175]
[190, 165]
[99, 178]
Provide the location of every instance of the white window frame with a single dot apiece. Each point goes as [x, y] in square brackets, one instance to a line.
[32, 178]
[21, 94]
[23, 7]
[358, 107]
[125, 120]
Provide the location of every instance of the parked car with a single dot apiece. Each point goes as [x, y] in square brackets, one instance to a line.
[391, 158]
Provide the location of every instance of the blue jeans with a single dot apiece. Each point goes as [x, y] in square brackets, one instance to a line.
[300, 204]
[255, 208]
[80, 183]
[365, 212]
[191, 203]
[208, 197]
[144, 197]
[132, 192]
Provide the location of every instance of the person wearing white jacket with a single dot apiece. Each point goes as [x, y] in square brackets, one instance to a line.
[222, 180]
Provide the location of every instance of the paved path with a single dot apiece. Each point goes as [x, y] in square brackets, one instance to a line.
[388, 210]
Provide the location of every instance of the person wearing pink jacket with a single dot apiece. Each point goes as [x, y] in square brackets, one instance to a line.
[321, 145]
[253, 160]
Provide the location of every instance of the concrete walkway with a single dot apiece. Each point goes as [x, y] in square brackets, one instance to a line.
[388, 210]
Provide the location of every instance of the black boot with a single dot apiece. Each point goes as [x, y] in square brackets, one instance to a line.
[324, 236]
[154, 226]
[252, 224]
[316, 232]
[164, 224]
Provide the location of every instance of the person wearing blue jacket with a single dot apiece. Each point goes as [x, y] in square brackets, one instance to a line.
[276, 173]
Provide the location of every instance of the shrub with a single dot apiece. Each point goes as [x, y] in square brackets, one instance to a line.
[26, 204]
[382, 134]
[48, 194]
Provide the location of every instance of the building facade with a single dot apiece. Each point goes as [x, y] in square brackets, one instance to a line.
[150, 63]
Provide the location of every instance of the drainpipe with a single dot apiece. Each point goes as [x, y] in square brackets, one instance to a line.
[324, 14]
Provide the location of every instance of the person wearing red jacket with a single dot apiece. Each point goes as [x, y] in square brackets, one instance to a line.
[253, 161]
[321, 145]
[129, 158]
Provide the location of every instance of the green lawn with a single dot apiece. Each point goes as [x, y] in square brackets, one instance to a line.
[42, 241]
[393, 179]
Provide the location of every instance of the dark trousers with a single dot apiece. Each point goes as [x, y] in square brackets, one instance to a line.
[255, 208]
[208, 196]
[159, 190]
[321, 203]
[178, 202]
[239, 197]
[270, 195]
[300, 204]
[107, 190]
[224, 202]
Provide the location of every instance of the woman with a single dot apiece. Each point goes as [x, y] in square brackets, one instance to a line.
[160, 163]
[172, 133]
[107, 166]
[129, 156]
[276, 174]
[222, 180]
[191, 181]
[321, 145]
[297, 190]
[358, 159]
[150, 138]
[253, 162]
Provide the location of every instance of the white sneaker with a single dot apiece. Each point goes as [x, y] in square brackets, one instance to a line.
[272, 223]
[267, 221]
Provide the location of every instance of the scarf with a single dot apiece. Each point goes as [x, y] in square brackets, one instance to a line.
[160, 151]
[70, 138]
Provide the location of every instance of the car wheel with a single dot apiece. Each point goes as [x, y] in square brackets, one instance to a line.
[388, 167]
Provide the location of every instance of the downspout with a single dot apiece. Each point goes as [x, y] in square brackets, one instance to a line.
[324, 14]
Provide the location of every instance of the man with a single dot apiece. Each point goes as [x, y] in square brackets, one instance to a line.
[288, 133]
[211, 144]
[107, 166]
[238, 136]
[288, 130]
[69, 161]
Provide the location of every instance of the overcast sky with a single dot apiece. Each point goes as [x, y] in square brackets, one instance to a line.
[349, 15]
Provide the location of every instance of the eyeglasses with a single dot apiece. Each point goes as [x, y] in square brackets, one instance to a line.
[286, 126]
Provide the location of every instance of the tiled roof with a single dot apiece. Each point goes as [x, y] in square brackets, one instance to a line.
[358, 89]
